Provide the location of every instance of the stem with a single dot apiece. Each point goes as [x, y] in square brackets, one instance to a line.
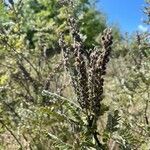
[100, 146]
[92, 125]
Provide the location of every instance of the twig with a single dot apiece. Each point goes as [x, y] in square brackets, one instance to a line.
[11, 133]
[145, 112]
[12, 48]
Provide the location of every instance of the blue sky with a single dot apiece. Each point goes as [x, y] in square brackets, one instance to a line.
[127, 14]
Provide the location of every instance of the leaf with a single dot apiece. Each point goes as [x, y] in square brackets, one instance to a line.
[113, 121]
[55, 138]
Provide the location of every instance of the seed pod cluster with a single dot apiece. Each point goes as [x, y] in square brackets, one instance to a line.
[87, 72]
[98, 61]
[82, 78]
